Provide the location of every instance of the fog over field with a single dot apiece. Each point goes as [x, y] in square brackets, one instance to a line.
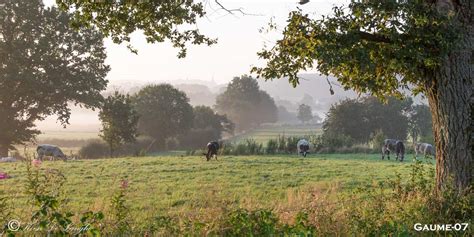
[239, 38]
[203, 92]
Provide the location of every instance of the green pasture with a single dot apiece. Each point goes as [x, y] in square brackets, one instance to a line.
[67, 135]
[265, 133]
[188, 185]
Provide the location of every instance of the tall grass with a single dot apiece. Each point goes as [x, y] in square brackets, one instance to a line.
[386, 208]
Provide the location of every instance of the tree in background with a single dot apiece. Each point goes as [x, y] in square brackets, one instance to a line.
[267, 109]
[360, 119]
[44, 65]
[164, 112]
[207, 126]
[158, 20]
[205, 117]
[245, 104]
[308, 100]
[390, 117]
[305, 113]
[347, 117]
[379, 47]
[119, 121]
[285, 116]
[421, 126]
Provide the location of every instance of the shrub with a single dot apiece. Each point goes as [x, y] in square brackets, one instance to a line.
[120, 211]
[377, 140]
[282, 143]
[292, 144]
[94, 150]
[240, 149]
[272, 147]
[251, 223]
[195, 137]
[44, 187]
[5, 212]
[253, 148]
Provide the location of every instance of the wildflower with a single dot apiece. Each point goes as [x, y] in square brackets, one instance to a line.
[124, 184]
[4, 175]
[36, 163]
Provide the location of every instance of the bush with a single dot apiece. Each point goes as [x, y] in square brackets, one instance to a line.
[272, 147]
[99, 149]
[377, 140]
[282, 143]
[194, 138]
[247, 147]
[253, 148]
[287, 145]
[329, 141]
[94, 150]
[251, 223]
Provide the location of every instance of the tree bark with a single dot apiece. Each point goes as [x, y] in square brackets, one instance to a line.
[3, 150]
[450, 94]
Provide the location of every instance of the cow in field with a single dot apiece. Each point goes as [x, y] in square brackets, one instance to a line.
[303, 147]
[8, 159]
[424, 148]
[212, 148]
[400, 150]
[393, 145]
[49, 150]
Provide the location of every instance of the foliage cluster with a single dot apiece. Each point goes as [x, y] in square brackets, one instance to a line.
[305, 113]
[46, 66]
[358, 121]
[97, 149]
[119, 121]
[245, 104]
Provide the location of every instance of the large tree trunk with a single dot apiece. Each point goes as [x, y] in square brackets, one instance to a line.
[450, 94]
[3, 150]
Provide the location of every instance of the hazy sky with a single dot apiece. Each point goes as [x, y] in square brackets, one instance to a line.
[238, 42]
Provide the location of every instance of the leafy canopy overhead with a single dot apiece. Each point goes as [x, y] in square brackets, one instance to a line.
[159, 20]
[373, 46]
[44, 65]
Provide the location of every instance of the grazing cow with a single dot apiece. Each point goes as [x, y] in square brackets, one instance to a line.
[393, 145]
[212, 148]
[425, 149]
[388, 145]
[400, 150]
[303, 147]
[49, 150]
[8, 159]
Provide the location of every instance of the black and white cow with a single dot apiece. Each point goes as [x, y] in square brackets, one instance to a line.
[424, 148]
[212, 148]
[49, 150]
[303, 147]
[400, 150]
[393, 145]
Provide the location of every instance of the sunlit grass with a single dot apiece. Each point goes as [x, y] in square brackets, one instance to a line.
[189, 185]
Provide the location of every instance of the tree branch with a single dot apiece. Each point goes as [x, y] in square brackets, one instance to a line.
[231, 11]
[374, 37]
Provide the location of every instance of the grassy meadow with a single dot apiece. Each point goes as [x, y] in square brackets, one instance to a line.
[188, 186]
[264, 133]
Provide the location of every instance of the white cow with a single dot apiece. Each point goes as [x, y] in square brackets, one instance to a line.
[303, 147]
[49, 150]
[425, 149]
[8, 159]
